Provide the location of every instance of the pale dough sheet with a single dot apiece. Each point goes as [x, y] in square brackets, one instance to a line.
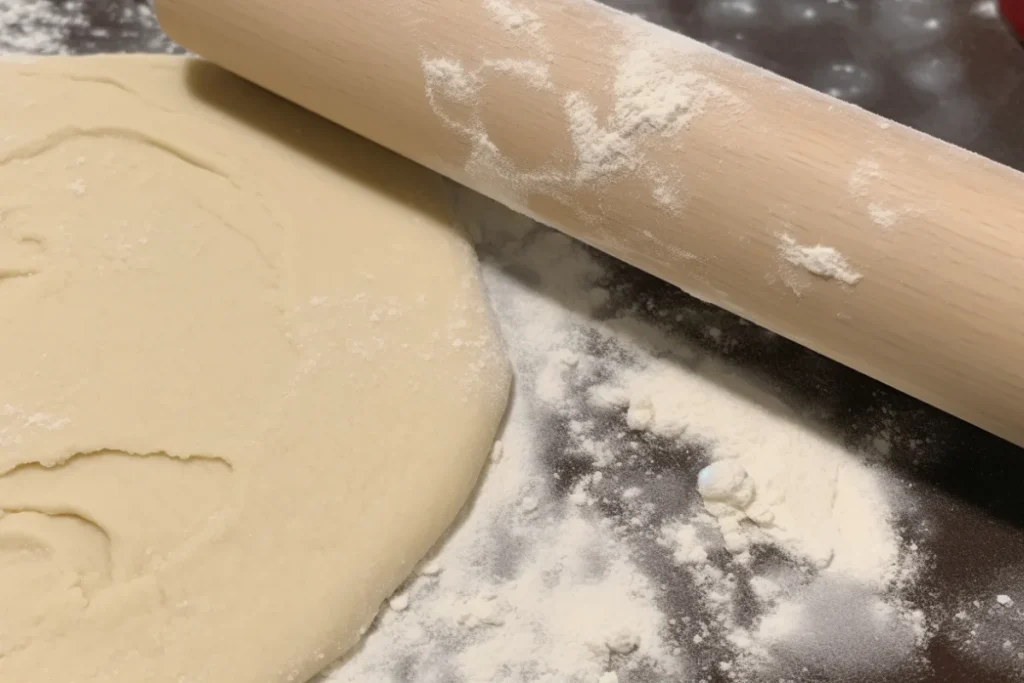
[249, 376]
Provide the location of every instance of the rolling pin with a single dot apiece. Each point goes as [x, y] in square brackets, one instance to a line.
[879, 247]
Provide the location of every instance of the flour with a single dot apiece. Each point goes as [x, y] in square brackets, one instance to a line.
[820, 260]
[514, 17]
[550, 599]
[666, 194]
[39, 26]
[33, 420]
[882, 215]
[868, 183]
[549, 578]
[651, 98]
[534, 73]
[785, 484]
[452, 90]
[46, 27]
[17, 423]
[989, 630]
[802, 495]
[531, 585]
[399, 603]
[654, 92]
[847, 630]
[448, 79]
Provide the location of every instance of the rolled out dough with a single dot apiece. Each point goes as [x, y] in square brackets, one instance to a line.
[249, 376]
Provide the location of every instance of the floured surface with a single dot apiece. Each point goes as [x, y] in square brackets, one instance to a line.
[818, 259]
[603, 133]
[249, 376]
[590, 554]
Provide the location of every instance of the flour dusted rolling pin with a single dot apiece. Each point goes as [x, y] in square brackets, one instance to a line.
[880, 247]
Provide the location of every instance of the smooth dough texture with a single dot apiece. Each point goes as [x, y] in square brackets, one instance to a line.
[249, 376]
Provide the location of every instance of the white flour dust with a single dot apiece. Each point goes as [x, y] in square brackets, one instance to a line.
[650, 98]
[524, 589]
[990, 628]
[775, 479]
[16, 422]
[651, 94]
[869, 184]
[514, 17]
[50, 27]
[819, 260]
[39, 26]
[571, 564]
[452, 90]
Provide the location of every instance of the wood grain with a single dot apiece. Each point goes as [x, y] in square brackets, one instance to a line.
[936, 232]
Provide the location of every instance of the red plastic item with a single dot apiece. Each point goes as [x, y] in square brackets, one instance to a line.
[1013, 13]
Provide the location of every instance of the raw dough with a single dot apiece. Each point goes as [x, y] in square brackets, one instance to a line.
[249, 376]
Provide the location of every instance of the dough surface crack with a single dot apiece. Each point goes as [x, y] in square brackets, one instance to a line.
[146, 507]
[64, 134]
[64, 462]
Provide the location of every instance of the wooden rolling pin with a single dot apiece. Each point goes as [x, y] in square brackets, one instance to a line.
[882, 248]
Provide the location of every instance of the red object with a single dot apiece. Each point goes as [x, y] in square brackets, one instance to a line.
[1013, 13]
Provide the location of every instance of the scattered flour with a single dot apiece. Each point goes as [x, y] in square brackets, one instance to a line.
[33, 420]
[431, 568]
[847, 630]
[651, 98]
[820, 260]
[867, 182]
[551, 600]
[513, 16]
[46, 27]
[78, 187]
[652, 93]
[399, 603]
[534, 587]
[774, 479]
[554, 575]
[990, 631]
[883, 216]
[447, 79]
[39, 26]
[452, 89]
[16, 424]
[532, 72]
